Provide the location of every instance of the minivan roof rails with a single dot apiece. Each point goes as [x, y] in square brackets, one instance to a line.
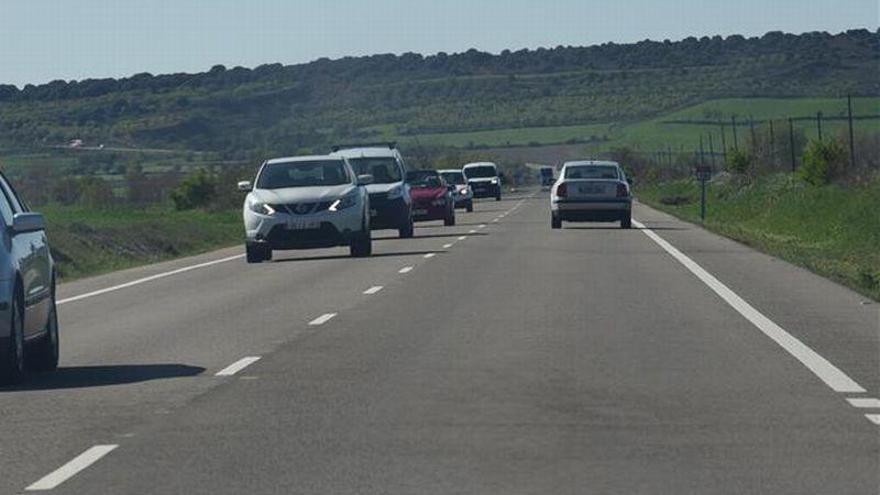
[390, 145]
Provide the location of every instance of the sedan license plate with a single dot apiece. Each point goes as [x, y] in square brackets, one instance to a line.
[591, 189]
[295, 224]
[420, 211]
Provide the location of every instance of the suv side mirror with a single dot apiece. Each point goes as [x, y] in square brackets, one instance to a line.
[245, 186]
[364, 180]
[28, 222]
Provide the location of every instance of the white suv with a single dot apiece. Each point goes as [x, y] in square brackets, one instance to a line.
[390, 202]
[306, 202]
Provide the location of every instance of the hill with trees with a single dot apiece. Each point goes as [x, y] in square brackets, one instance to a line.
[275, 109]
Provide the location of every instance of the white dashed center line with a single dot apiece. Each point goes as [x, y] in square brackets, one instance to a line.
[462, 238]
[447, 246]
[482, 226]
[864, 403]
[405, 269]
[322, 319]
[874, 418]
[373, 290]
[73, 467]
[238, 366]
[473, 231]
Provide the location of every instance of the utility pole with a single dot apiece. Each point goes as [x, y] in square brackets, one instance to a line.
[852, 144]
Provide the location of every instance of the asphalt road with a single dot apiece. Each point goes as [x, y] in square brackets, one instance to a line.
[509, 359]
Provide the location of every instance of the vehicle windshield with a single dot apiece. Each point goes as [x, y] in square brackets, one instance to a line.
[303, 174]
[456, 178]
[384, 169]
[480, 172]
[592, 172]
[423, 178]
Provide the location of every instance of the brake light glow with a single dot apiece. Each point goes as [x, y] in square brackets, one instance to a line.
[622, 190]
[562, 190]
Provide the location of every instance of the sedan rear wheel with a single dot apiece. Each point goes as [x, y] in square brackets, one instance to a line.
[555, 222]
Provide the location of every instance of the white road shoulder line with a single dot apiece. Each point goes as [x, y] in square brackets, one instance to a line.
[405, 269]
[69, 470]
[322, 319]
[874, 418]
[148, 279]
[237, 366]
[821, 367]
[372, 290]
[864, 403]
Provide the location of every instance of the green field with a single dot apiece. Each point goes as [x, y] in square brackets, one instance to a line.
[831, 230]
[660, 134]
[91, 241]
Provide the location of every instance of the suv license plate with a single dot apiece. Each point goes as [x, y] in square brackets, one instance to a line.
[302, 224]
[420, 212]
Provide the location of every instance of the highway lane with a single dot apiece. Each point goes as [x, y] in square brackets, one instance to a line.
[519, 360]
[147, 349]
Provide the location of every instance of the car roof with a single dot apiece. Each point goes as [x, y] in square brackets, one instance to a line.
[587, 163]
[309, 158]
[368, 152]
[450, 171]
[480, 164]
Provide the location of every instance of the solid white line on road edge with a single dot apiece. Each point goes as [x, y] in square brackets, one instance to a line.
[462, 238]
[447, 246]
[237, 366]
[821, 367]
[874, 418]
[148, 279]
[69, 470]
[322, 319]
[864, 403]
[372, 290]
[430, 255]
[405, 269]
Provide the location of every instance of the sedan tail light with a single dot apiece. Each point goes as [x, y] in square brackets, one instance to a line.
[562, 190]
[622, 190]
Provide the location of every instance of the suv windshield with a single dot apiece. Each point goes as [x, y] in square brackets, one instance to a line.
[383, 169]
[423, 178]
[456, 178]
[481, 172]
[303, 174]
[592, 172]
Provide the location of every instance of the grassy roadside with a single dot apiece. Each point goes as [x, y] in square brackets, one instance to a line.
[831, 230]
[88, 241]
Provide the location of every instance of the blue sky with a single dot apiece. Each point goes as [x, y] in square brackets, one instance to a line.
[42, 40]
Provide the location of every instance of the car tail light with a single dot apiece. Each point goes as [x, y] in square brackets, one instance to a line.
[562, 190]
[622, 190]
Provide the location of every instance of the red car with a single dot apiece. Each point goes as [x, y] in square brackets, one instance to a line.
[431, 197]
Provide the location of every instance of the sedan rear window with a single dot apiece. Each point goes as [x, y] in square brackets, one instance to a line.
[480, 172]
[303, 174]
[592, 172]
[456, 178]
[384, 170]
[423, 178]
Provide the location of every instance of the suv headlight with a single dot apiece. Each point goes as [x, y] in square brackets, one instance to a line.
[344, 202]
[494, 181]
[261, 208]
[395, 192]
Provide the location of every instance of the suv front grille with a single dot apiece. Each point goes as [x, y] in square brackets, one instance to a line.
[303, 208]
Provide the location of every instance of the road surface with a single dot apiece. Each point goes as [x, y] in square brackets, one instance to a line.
[494, 357]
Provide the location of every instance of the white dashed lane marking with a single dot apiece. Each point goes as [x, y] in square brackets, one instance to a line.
[69, 470]
[322, 319]
[238, 366]
[373, 290]
[405, 269]
[430, 255]
[864, 403]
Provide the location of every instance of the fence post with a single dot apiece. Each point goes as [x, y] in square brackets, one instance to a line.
[852, 144]
[723, 143]
[733, 126]
[772, 145]
[791, 142]
[752, 129]
[702, 152]
[819, 124]
[712, 151]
